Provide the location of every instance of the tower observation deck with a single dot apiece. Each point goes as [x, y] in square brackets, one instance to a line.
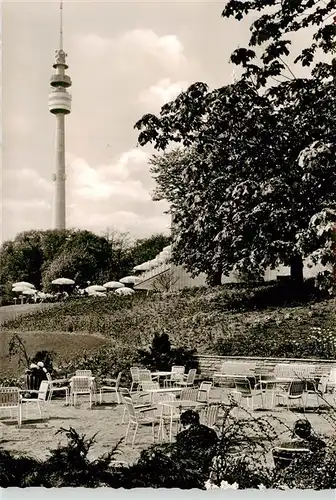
[60, 105]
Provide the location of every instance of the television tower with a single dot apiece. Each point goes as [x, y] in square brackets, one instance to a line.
[60, 105]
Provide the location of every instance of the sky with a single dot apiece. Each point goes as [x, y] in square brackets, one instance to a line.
[125, 59]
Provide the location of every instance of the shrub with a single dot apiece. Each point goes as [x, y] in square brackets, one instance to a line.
[161, 355]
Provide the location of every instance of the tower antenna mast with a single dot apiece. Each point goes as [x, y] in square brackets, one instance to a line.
[61, 27]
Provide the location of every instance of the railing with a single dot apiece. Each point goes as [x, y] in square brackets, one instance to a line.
[153, 272]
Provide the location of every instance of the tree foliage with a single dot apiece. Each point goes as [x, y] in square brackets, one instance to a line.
[274, 30]
[254, 179]
[42, 256]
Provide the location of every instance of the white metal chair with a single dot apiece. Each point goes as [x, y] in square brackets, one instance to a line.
[10, 400]
[135, 377]
[123, 391]
[188, 380]
[113, 385]
[137, 418]
[40, 400]
[81, 386]
[166, 414]
[83, 373]
[144, 376]
[209, 414]
[283, 457]
[203, 394]
[244, 391]
[295, 391]
[55, 388]
[189, 394]
[177, 373]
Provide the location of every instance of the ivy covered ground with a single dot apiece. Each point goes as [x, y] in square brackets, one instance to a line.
[268, 320]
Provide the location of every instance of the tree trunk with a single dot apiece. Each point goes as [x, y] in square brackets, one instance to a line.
[296, 267]
[215, 278]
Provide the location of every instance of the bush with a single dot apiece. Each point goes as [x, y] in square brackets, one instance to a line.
[161, 355]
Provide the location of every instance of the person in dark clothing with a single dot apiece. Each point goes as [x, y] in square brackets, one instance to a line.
[194, 434]
[196, 443]
[303, 438]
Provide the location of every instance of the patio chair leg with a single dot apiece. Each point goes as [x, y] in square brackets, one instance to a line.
[90, 400]
[39, 408]
[118, 397]
[127, 431]
[135, 431]
[100, 396]
[304, 405]
[153, 432]
[123, 417]
[171, 430]
[19, 415]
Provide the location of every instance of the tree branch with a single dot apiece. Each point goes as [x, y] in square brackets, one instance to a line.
[291, 72]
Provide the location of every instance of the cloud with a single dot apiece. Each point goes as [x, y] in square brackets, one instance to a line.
[24, 183]
[167, 50]
[167, 46]
[162, 92]
[114, 195]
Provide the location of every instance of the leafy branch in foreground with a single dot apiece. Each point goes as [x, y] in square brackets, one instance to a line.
[274, 29]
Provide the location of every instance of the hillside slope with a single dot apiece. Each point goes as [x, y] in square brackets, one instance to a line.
[224, 320]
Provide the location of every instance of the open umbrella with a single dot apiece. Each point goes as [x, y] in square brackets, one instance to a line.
[94, 293]
[19, 289]
[113, 284]
[95, 288]
[29, 291]
[127, 280]
[140, 267]
[124, 291]
[24, 284]
[63, 281]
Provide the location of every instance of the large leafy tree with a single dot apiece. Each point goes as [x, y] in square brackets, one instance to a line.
[241, 189]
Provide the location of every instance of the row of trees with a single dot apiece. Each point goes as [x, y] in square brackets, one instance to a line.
[252, 181]
[42, 256]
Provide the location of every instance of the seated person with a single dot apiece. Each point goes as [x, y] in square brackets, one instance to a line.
[196, 442]
[303, 438]
[195, 434]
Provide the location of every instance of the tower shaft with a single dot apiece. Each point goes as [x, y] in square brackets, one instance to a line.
[60, 105]
[59, 212]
